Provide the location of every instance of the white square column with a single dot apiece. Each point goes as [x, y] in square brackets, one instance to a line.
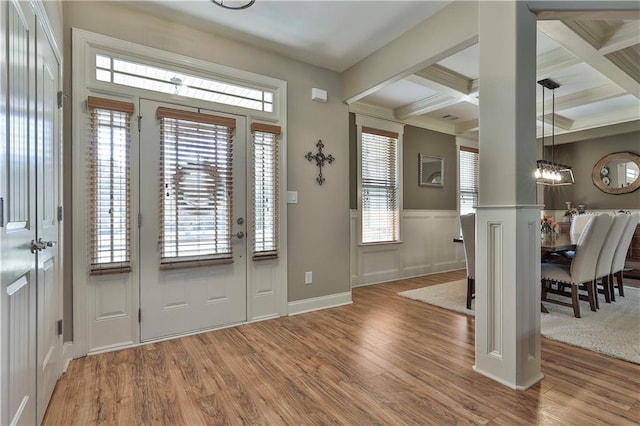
[507, 232]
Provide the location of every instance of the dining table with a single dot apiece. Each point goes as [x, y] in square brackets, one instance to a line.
[553, 244]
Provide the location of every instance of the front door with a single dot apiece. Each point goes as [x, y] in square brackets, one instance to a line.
[49, 365]
[192, 219]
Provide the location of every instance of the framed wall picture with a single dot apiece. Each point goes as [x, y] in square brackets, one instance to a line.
[431, 171]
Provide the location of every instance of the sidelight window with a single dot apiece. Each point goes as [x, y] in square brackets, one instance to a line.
[110, 185]
[265, 190]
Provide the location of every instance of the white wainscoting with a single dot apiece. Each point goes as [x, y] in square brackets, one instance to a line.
[427, 247]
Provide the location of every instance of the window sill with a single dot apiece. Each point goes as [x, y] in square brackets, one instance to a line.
[383, 243]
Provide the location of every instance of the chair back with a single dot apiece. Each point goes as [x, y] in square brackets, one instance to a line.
[620, 254]
[578, 223]
[583, 265]
[603, 267]
[468, 226]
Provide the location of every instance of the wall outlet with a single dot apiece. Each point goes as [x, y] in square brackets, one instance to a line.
[308, 277]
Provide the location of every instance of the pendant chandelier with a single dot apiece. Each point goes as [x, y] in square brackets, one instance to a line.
[234, 4]
[551, 173]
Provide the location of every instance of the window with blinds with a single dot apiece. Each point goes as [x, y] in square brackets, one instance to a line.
[110, 186]
[468, 180]
[266, 227]
[379, 185]
[196, 184]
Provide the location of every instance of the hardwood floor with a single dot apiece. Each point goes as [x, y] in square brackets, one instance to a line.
[382, 360]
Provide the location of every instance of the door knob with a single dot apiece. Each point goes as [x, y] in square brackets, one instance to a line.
[239, 235]
[37, 246]
[47, 243]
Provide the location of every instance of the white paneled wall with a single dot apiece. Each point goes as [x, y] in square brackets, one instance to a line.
[427, 247]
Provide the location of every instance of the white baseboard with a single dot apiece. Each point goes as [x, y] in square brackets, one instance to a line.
[317, 303]
[67, 355]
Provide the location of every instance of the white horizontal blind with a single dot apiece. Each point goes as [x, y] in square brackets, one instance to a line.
[380, 198]
[266, 225]
[196, 184]
[468, 180]
[110, 186]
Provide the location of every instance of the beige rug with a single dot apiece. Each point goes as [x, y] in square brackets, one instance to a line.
[613, 330]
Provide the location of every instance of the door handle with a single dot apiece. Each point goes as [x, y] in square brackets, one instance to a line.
[239, 235]
[47, 243]
[37, 245]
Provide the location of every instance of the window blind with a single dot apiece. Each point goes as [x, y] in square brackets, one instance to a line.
[196, 184]
[379, 183]
[110, 186]
[468, 180]
[266, 225]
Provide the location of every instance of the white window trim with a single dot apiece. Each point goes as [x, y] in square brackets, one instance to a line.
[390, 126]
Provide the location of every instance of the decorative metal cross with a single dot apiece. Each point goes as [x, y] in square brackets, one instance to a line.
[320, 160]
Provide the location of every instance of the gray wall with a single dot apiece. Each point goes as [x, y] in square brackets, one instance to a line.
[318, 226]
[422, 141]
[416, 140]
[582, 156]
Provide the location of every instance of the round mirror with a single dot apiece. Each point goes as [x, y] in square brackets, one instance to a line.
[617, 173]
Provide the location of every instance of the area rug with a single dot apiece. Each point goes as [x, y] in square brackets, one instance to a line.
[613, 330]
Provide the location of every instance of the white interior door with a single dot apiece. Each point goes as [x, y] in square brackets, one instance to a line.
[17, 214]
[49, 365]
[193, 223]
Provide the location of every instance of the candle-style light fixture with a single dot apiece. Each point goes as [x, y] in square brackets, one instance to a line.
[551, 173]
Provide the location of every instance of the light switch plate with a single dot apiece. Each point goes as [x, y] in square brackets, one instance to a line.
[292, 197]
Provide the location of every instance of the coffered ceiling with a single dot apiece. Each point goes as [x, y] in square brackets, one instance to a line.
[595, 59]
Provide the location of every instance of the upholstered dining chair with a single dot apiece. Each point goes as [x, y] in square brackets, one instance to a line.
[617, 265]
[468, 226]
[605, 259]
[582, 269]
[578, 223]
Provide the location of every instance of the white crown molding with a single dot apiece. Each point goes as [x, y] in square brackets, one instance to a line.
[561, 121]
[467, 126]
[598, 132]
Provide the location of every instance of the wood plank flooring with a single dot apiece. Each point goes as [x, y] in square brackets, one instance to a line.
[382, 360]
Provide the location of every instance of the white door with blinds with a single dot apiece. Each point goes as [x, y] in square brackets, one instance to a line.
[193, 272]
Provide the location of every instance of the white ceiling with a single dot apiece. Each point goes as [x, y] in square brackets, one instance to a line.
[595, 61]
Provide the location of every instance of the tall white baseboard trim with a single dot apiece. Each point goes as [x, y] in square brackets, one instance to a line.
[404, 277]
[317, 303]
[67, 355]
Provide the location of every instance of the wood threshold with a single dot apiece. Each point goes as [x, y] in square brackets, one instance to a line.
[381, 360]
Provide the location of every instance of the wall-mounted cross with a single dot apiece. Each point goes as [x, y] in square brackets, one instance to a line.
[320, 160]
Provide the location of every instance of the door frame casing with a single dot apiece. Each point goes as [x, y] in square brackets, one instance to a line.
[85, 44]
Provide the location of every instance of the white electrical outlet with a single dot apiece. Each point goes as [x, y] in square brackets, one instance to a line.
[308, 277]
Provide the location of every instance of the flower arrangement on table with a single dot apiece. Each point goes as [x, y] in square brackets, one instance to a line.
[548, 225]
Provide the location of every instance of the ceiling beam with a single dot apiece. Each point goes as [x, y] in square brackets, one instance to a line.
[621, 37]
[627, 60]
[560, 121]
[449, 31]
[589, 96]
[598, 132]
[424, 106]
[446, 77]
[566, 37]
[554, 60]
[467, 126]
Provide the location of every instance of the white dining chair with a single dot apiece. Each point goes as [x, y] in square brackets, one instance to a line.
[468, 226]
[583, 267]
[578, 223]
[617, 265]
[605, 259]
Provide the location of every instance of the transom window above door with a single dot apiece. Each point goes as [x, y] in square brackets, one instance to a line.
[130, 73]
